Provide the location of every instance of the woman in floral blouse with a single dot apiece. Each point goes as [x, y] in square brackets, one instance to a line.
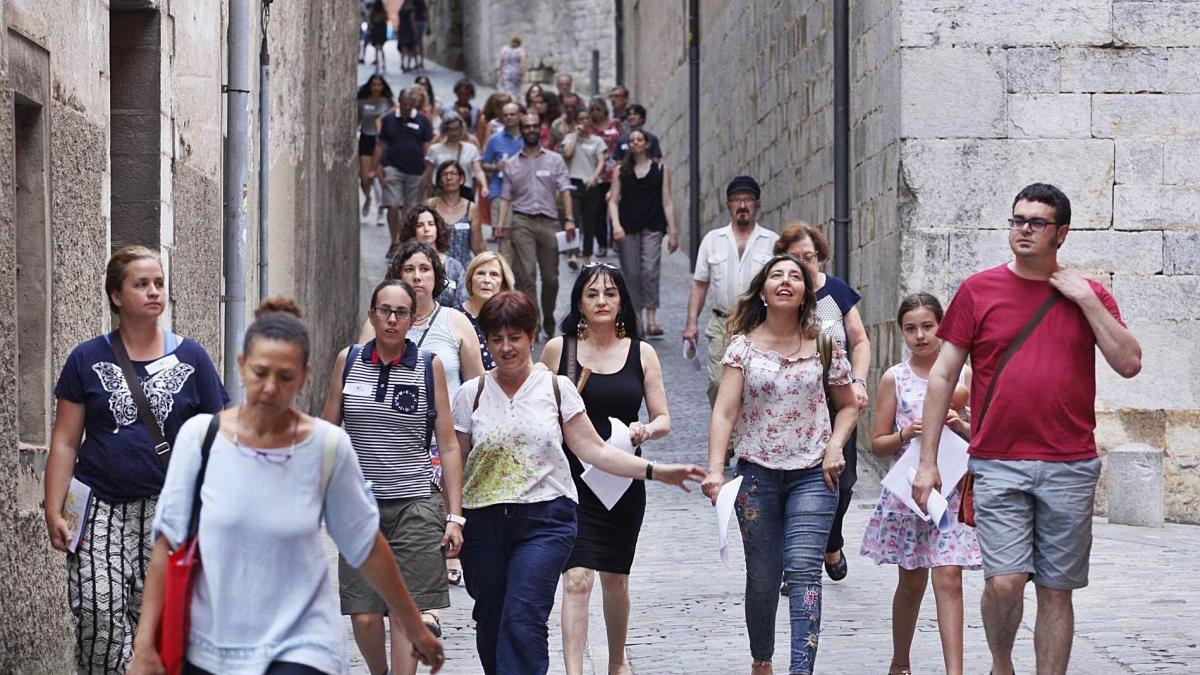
[772, 400]
[519, 499]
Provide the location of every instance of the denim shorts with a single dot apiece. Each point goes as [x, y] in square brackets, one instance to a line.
[1035, 517]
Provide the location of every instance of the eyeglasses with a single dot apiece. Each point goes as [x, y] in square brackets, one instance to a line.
[809, 257]
[531, 126]
[743, 200]
[608, 266]
[1035, 224]
[383, 313]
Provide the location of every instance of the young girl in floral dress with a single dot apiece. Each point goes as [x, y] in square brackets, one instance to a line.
[895, 534]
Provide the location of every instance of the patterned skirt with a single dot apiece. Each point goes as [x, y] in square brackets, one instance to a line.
[895, 535]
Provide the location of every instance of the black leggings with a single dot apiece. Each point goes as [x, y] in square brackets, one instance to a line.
[276, 668]
[845, 493]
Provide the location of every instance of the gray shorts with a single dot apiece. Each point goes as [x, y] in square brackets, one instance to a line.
[1035, 517]
[414, 529]
[399, 188]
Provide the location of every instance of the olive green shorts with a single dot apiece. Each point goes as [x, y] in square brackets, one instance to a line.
[414, 528]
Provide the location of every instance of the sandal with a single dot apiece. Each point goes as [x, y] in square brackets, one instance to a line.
[654, 331]
[433, 623]
[454, 576]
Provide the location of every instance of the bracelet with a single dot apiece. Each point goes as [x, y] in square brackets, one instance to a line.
[457, 520]
[649, 470]
[901, 435]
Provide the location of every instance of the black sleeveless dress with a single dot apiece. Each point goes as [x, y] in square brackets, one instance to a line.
[606, 540]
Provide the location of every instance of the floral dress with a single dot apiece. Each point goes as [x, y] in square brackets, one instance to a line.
[894, 534]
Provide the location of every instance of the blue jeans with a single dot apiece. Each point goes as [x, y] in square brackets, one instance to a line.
[512, 557]
[785, 518]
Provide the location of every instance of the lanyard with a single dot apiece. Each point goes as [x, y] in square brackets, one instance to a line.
[429, 326]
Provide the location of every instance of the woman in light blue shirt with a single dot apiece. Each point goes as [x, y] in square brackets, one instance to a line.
[263, 601]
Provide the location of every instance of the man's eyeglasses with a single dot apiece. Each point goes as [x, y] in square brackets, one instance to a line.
[743, 200]
[1035, 224]
[383, 313]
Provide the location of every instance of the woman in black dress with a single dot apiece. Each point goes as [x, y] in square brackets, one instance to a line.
[615, 372]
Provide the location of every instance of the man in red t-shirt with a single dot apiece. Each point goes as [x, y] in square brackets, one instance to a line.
[1034, 455]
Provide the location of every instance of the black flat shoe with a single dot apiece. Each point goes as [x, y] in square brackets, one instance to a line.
[839, 569]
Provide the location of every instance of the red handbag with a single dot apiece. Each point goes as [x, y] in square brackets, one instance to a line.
[183, 565]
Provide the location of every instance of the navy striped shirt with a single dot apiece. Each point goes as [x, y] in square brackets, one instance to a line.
[384, 407]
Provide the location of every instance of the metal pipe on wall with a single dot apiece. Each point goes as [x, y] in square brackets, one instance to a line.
[693, 131]
[841, 138]
[264, 153]
[235, 187]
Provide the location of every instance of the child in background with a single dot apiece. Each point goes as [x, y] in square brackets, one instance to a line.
[895, 534]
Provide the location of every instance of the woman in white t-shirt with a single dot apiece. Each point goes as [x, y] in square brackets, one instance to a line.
[456, 147]
[263, 601]
[585, 153]
[518, 495]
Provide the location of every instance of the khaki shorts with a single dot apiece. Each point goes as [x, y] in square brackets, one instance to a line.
[1035, 517]
[400, 189]
[414, 529]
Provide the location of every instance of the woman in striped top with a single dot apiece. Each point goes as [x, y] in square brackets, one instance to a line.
[381, 393]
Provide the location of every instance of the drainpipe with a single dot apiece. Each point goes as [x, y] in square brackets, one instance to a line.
[693, 131]
[841, 138]
[264, 154]
[236, 187]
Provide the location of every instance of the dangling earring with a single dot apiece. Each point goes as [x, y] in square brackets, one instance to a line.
[581, 329]
[620, 328]
[764, 302]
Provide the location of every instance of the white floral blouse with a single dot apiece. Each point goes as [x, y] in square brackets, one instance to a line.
[783, 422]
[517, 455]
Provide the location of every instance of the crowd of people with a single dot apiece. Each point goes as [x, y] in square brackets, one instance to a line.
[473, 451]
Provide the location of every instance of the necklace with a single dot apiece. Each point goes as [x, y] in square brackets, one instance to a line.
[278, 457]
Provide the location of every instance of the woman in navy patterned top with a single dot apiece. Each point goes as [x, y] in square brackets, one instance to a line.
[99, 441]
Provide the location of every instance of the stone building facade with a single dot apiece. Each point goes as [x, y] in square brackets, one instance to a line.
[954, 107]
[467, 35]
[115, 118]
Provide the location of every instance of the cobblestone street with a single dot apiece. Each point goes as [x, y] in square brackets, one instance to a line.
[1140, 614]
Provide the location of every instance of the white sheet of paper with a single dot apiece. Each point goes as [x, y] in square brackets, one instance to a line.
[725, 500]
[691, 353]
[565, 245]
[952, 464]
[609, 488]
[75, 509]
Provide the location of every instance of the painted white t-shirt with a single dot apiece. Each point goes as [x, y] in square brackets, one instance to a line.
[517, 455]
[263, 593]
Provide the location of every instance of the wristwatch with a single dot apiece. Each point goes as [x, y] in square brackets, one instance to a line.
[457, 520]
[569, 219]
[649, 470]
[859, 380]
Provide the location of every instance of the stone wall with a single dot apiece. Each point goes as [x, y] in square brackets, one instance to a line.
[956, 106]
[313, 203]
[468, 35]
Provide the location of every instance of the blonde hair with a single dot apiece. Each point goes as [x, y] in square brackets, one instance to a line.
[118, 267]
[506, 273]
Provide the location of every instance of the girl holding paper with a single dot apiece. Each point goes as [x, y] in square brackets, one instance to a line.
[613, 372]
[897, 535]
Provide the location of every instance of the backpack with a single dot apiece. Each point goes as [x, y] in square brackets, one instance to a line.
[430, 408]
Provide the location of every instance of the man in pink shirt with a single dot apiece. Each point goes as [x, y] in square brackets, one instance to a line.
[1033, 456]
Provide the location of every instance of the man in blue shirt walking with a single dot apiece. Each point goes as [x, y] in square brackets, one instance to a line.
[500, 147]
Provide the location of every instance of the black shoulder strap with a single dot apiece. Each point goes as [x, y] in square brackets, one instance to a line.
[557, 398]
[430, 398]
[570, 346]
[162, 449]
[355, 350]
[214, 426]
[1012, 349]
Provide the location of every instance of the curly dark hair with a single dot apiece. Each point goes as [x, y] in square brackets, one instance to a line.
[396, 267]
[408, 230]
[365, 90]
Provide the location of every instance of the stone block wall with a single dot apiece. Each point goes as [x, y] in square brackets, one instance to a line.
[1099, 98]
[955, 107]
[562, 34]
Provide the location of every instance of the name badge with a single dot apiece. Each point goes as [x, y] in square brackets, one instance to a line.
[413, 125]
[763, 363]
[162, 364]
[542, 173]
[828, 325]
[358, 389]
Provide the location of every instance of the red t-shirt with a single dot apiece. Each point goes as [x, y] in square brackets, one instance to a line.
[1044, 406]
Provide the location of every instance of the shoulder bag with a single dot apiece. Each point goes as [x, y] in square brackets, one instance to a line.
[966, 507]
[162, 449]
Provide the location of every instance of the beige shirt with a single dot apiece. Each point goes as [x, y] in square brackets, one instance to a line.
[532, 184]
[728, 274]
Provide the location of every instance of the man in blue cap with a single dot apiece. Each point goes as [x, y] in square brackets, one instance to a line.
[728, 259]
